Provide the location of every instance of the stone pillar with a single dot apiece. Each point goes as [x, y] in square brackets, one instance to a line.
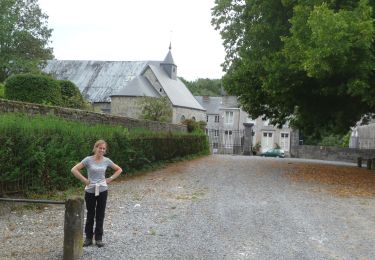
[294, 143]
[248, 139]
[73, 229]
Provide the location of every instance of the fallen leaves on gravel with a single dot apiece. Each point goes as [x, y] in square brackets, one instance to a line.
[344, 181]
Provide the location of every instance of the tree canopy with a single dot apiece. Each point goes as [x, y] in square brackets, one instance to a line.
[24, 37]
[308, 62]
[204, 87]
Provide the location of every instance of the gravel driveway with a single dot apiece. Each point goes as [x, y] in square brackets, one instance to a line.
[217, 207]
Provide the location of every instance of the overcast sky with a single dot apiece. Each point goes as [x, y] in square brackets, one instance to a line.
[130, 30]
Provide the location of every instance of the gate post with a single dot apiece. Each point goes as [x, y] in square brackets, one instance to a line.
[73, 229]
[248, 139]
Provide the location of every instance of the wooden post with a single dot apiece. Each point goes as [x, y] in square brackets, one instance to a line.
[369, 162]
[359, 161]
[73, 229]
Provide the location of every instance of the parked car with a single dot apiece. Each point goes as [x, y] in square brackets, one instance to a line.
[275, 152]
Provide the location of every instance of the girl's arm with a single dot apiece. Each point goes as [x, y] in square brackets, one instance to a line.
[76, 172]
[117, 172]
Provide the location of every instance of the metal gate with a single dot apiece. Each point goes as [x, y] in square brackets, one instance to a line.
[225, 141]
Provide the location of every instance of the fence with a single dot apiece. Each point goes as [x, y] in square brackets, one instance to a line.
[226, 141]
[73, 224]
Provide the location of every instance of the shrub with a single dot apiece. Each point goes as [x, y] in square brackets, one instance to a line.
[2, 87]
[193, 126]
[37, 153]
[34, 88]
[157, 109]
[71, 96]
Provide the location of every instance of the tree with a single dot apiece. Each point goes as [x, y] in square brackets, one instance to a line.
[204, 87]
[24, 37]
[307, 62]
[157, 109]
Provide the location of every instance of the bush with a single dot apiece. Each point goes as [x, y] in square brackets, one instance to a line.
[37, 153]
[34, 88]
[71, 96]
[193, 126]
[2, 87]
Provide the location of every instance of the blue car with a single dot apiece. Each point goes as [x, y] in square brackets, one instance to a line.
[275, 152]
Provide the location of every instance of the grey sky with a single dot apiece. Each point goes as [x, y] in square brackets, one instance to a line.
[137, 30]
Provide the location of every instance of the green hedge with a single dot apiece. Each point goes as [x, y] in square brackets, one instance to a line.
[2, 87]
[71, 96]
[34, 88]
[37, 153]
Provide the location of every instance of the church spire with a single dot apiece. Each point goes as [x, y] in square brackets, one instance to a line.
[168, 64]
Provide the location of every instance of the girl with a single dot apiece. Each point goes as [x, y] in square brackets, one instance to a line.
[96, 190]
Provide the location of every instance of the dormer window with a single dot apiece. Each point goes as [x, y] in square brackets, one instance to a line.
[161, 90]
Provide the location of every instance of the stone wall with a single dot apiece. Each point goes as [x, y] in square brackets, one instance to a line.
[8, 106]
[127, 106]
[331, 153]
[188, 113]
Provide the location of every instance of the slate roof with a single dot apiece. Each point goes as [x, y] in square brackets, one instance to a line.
[214, 104]
[138, 87]
[97, 80]
[211, 104]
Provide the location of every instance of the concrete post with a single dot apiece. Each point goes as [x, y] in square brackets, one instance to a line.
[248, 139]
[73, 229]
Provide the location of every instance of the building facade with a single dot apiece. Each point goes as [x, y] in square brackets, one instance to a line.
[225, 127]
[118, 87]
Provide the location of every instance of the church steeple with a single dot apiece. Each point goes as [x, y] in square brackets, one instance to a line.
[168, 64]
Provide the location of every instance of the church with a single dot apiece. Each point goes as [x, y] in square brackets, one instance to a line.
[118, 87]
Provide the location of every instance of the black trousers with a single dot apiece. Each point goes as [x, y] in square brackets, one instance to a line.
[95, 206]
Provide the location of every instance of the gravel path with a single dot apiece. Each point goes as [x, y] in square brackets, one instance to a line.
[217, 207]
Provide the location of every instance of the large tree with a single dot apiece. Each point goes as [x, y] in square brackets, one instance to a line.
[204, 87]
[24, 37]
[309, 62]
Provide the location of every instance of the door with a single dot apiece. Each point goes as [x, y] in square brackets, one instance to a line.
[284, 141]
[267, 141]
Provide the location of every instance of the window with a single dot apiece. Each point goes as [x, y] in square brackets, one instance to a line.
[206, 118]
[182, 119]
[216, 145]
[229, 117]
[217, 118]
[161, 90]
[216, 133]
[193, 118]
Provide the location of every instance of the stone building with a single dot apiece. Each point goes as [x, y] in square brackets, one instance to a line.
[118, 87]
[225, 127]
